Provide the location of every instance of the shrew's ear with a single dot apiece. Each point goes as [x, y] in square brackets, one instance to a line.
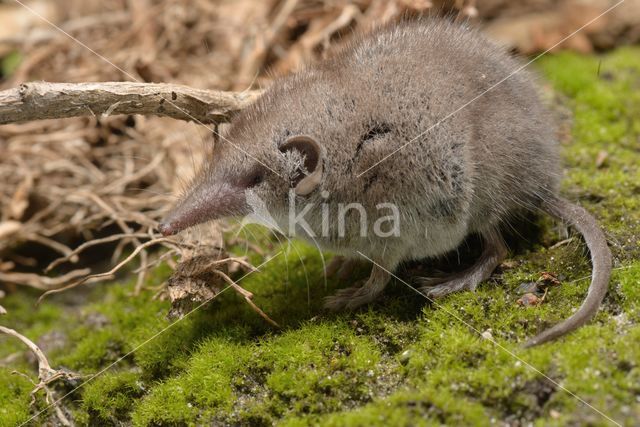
[313, 162]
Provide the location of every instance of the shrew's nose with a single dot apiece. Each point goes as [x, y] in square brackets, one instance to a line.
[166, 229]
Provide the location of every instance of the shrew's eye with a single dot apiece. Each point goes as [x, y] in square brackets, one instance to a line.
[256, 177]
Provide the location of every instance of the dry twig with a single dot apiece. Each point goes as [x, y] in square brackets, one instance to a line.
[46, 375]
[42, 100]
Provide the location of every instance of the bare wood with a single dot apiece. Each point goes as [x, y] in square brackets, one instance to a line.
[43, 100]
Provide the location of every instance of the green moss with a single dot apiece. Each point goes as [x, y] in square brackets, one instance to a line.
[606, 108]
[31, 323]
[167, 404]
[108, 399]
[423, 408]
[317, 368]
[14, 398]
[401, 361]
[10, 63]
[205, 385]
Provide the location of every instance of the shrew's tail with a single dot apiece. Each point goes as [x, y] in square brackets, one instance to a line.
[600, 260]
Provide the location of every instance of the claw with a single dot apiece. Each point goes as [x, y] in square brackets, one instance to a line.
[341, 299]
[447, 287]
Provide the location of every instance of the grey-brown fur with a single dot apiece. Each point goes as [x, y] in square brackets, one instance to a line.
[483, 165]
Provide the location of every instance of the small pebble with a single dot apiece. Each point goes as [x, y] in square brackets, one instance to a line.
[405, 356]
[601, 159]
[527, 288]
[549, 279]
[528, 300]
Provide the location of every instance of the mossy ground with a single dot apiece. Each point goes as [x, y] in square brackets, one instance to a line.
[400, 361]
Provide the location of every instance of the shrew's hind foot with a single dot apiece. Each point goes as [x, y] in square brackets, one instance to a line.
[350, 298]
[493, 253]
[340, 267]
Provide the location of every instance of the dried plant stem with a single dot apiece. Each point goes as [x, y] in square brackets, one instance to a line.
[240, 261]
[41, 282]
[44, 368]
[46, 374]
[247, 296]
[108, 274]
[263, 43]
[43, 100]
[90, 243]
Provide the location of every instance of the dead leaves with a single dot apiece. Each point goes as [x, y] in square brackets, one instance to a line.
[201, 275]
[530, 28]
[193, 281]
[529, 299]
[535, 293]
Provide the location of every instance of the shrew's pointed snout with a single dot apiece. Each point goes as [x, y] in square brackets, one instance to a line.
[166, 228]
[205, 202]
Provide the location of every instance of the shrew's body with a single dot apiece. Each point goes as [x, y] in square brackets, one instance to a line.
[428, 117]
